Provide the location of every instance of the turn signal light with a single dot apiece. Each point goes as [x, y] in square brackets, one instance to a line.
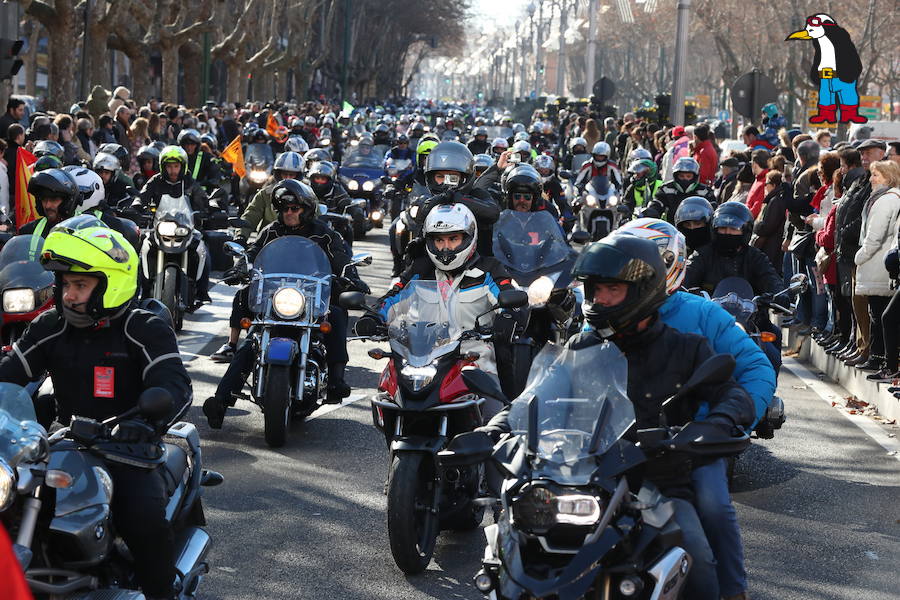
[58, 479]
[325, 327]
[245, 323]
[767, 336]
[471, 356]
[376, 353]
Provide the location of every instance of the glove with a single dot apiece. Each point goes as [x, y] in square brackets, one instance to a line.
[360, 286]
[415, 248]
[368, 326]
[133, 431]
[235, 274]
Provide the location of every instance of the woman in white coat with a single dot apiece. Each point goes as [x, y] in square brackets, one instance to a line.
[879, 229]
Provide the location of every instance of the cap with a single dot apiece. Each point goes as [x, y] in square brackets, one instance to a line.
[677, 131]
[872, 143]
[730, 162]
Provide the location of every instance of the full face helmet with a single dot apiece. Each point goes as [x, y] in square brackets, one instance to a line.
[448, 219]
[671, 244]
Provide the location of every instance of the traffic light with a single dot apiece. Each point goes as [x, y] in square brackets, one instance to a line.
[9, 64]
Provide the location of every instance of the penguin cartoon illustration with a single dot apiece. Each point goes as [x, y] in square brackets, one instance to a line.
[835, 69]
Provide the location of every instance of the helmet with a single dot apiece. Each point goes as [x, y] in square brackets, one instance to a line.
[288, 192]
[402, 139]
[770, 110]
[578, 141]
[288, 161]
[480, 131]
[522, 136]
[260, 136]
[545, 161]
[639, 153]
[423, 150]
[482, 162]
[210, 140]
[296, 143]
[381, 131]
[808, 151]
[315, 155]
[448, 156]
[731, 214]
[119, 151]
[694, 208]
[600, 149]
[627, 259]
[671, 244]
[643, 170]
[416, 127]
[98, 251]
[523, 149]
[45, 147]
[686, 164]
[523, 179]
[536, 128]
[322, 168]
[173, 154]
[89, 185]
[518, 127]
[366, 139]
[188, 136]
[309, 120]
[450, 218]
[105, 162]
[55, 183]
[148, 153]
[50, 161]
[500, 143]
[609, 123]
[250, 129]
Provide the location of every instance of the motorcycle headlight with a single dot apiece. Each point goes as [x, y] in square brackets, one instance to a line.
[325, 142]
[613, 200]
[376, 215]
[591, 201]
[18, 301]
[258, 176]
[288, 303]
[539, 291]
[540, 508]
[167, 228]
[368, 186]
[182, 231]
[353, 185]
[414, 211]
[418, 377]
[7, 486]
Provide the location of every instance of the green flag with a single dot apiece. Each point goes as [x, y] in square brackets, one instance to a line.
[347, 108]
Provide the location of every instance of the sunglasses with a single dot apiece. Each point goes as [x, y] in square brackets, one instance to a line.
[520, 196]
[293, 208]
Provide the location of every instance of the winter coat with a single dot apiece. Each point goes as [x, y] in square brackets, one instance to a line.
[769, 227]
[757, 193]
[825, 239]
[849, 214]
[706, 155]
[879, 227]
[706, 268]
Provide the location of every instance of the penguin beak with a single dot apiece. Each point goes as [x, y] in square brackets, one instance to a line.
[799, 35]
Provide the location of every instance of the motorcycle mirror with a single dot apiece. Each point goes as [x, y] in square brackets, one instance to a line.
[238, 222]
[363, 259]
[564, 174]
[579, 237]
[234, 249]
[512, 298]
[352, 301]
[155, 402]
[469, 448]
[483, 384]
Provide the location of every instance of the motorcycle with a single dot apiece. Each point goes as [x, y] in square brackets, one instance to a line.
[258, 163]
[597, 208]
[396, 195]
[56, 492]
[173, 257]
[425, 397]
[361, 173]
[532, 248]
[289, 295]
[25, 286]
[573, 522]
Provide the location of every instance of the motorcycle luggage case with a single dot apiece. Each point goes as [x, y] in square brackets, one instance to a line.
[215, 240]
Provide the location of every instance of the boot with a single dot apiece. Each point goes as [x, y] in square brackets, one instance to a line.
[827, 114]
[214, 409]
[850, 114]
[337, 387]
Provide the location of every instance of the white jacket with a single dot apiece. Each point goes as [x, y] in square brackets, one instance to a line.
[879, 228]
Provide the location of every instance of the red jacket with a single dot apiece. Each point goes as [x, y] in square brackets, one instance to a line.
[757, 193]
[706, 155]
[825, 239]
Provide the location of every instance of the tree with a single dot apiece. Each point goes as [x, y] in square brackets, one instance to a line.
[59, 20]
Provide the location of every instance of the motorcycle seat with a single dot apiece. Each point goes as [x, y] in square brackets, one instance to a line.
[175, 467]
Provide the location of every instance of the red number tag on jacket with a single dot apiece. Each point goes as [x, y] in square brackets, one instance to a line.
[104, 382]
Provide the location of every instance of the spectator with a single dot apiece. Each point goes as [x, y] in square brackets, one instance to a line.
[73, 154]
[840, 303]
[890, 319]
[138, 136]
[15, 112]
[591, 134]
[769, 227]
[726, 182]
[15, 139]
[759, 165]
[106, 133]
[750, 136]
[5, 206]
[823, 138]
[122, 125]
[745, 179]
[878, 235]
[894, 152]
[85, 134]
[705, 154]
[153, 127]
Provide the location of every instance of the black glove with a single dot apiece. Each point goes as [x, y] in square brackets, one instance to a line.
[360, 286]
[236, 274]
[415, 248]
[892, 263]
[368, 326]
[134, 431]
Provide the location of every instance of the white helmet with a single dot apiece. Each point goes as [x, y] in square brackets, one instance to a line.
[577, 141]
[90, 185]
[297, 144]
[671, 244]
[601, 148]
[445, 219]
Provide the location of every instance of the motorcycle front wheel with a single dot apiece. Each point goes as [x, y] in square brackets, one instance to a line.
[412, 521]
[171, 297]
[277, 404]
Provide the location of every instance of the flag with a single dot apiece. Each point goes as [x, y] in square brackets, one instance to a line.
[26, 210]
[347, 109]
[234, 154]
[272, 124]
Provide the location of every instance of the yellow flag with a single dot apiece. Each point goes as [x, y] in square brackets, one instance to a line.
[234, 154]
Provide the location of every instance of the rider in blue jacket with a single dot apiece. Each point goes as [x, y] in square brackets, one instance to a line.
[694, 314]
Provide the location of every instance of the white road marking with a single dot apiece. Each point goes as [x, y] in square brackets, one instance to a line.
[330, 408]
[830, 392]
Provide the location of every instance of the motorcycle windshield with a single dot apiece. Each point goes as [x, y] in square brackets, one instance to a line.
[421, 321]
[528, 242]
[578, 161]
[20, 435]
[19, 266]
[296, 262]
[581, 408]
[176, 210]
[259, 155]
[362, 156]
[397, 166]
[599, 185]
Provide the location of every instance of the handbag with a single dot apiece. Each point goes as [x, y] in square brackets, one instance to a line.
[803, 244]
[823, 260]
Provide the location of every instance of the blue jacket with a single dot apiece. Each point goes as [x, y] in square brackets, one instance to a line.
[693, 314]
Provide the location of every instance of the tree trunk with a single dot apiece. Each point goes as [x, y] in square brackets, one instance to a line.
[169, 54]
[192, 64]
[61, 35]
[141, 86]
[235, 90]
[30, 59]
[97, 60]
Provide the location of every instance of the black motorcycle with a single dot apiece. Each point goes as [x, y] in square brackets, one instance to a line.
[576, 520]
[25, 286]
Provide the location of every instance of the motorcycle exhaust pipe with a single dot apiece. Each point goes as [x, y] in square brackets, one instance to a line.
[192, 545]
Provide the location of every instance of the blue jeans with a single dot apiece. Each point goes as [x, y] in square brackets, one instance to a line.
[831, 89]
[719, 519]
[702, 581]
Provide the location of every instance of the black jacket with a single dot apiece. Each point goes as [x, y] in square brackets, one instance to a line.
[724, 187]
[668, 197]
[158, 185]
[848, 218]
[653, 377]
[136, 351]
[769, 229]
[476, 147]
[208, 173]
[706, 268]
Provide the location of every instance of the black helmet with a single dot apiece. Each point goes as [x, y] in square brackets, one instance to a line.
[314, 156]
[45, 147]
[402, 139]
[523, 179]
[290, 192]
[150, 153]
[210, 140]
[47, 161]
[189, 136]
[449, 156]
[260, 136]
[694, 208]
[628, 259]
[381, 131]
[57, 183]
[119, 152]
[731, 214]
[322, 169]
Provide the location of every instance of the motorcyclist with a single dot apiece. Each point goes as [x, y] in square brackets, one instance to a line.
[521, 152]
[402, 151]
[694, 220]
[101, 353]
[625, 286]
[323, 181]
[148, 165]
[56, 198]
[119, 193]
[309, 131]
[259, 212]
[124, 157]
[93, 203]
[554, 194]
[479, 143]
[498, 147]
[686, 182]
[482, 163]
[577, 145]
[199, 164]
[753, 371]
[523, 191]
[382, 135]
[295, 203]
[599, 166]
[643, 185]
